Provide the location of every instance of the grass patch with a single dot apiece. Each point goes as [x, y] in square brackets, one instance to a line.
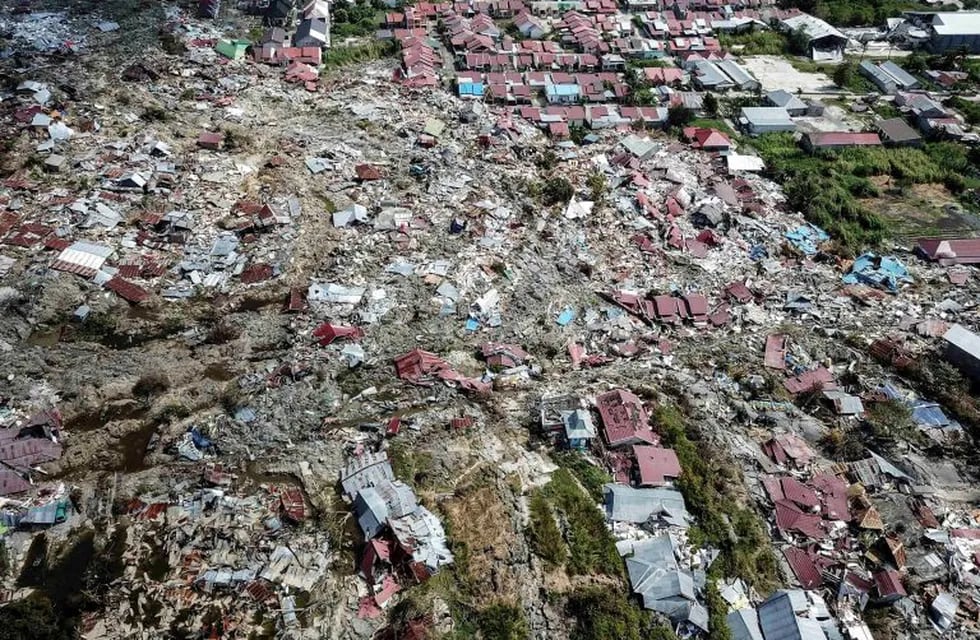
[544, 534]
[602, 613]
[755, 43]
[708, 484]
[827, 187]
[340, 57]
[591, 476]
[502, 621]
[591, 549]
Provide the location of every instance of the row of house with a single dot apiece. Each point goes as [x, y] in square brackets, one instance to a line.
[557, 88]
[722, 76]
[888, 76]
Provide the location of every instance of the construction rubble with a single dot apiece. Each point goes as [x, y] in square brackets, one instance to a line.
[291, 348]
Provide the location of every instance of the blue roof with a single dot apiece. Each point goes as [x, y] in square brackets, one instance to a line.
[562, 90]
[928, 414]
[807, 238]
[471, 89]
[881, 271]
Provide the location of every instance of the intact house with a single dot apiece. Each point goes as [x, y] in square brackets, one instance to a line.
[825, 140]
[895, 132]
[824, 41]
[313, 32]
[888, 76]
[955, 30]
[758, 120]
[782, 98]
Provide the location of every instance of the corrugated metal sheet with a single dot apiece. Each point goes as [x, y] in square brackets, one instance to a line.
[803, 567]
[82, 258]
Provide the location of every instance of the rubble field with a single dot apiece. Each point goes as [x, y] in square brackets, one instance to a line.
[311, 353]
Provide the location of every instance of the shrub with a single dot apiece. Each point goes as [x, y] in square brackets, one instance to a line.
[590, 545]
[602, 613]
[546, 540]
[557, 190]
[502, 621]
[151, 384]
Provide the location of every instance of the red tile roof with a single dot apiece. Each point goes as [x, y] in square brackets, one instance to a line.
[843, 139]
[624, 419]
[656, 465]
[776, 351]
[803, 567]
[889, 584]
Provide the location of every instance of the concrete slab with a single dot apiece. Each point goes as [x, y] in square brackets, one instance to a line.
[775, 72]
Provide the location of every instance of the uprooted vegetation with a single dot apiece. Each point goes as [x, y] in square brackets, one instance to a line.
[831, 188]
[591, 549]
[723, 521]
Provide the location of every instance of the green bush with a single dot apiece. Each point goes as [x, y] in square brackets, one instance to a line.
[590, 476]
[722, 522]
[591, 549]
[501, 621]
[546, 540]
[602, 613]
[756, 43]
[556, 190]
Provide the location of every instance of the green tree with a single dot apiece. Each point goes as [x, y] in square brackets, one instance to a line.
[844, 75]
[679, 116]
[799, 42]
[557, 190]
[711, 104]
[916, 62]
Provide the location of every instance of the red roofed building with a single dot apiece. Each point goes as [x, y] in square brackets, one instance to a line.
[819, 379]
[656, 466]
[707, 139]
[889, 584]
[624, 420]
[663, 75]
[790, 518]
[839, 140]
[417, 365]
[327, 333]
[803, 567]
[949, 252]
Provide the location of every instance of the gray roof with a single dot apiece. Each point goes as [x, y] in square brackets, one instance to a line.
[709, 75]
[778, 618]
[963, 339]
[744, 624]
[639, 147]
[656, 577]
[767, 116]
[578, 425]
[879, 76]
[736, 72]
[367, 470]
[897, 130]
[901, 75]
[846, 404]
[626, 504]
[785, 99]
[814, 27]
[959, 23]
